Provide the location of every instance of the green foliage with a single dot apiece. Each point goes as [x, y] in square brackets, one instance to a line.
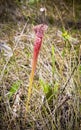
[63, 52]
[45, 86]
[14, 88]
[56, 89]
[79, 69]
[33, 1]
[50, 91]
[65, 35]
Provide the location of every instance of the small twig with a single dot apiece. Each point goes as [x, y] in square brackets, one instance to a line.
[63, 102]
[68, 79]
